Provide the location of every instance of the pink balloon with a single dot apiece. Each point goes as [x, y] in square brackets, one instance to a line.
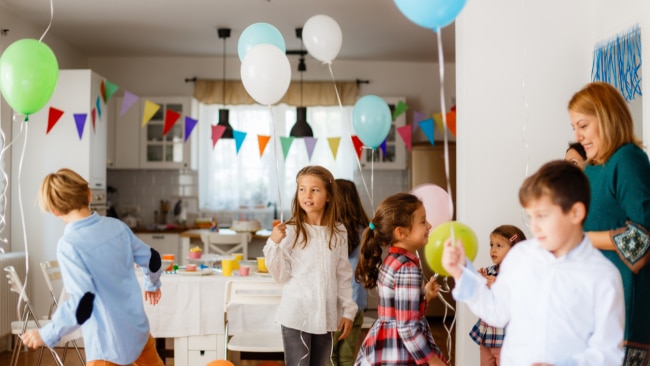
[436, 202]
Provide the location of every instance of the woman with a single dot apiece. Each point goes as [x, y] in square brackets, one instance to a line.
[619, 215]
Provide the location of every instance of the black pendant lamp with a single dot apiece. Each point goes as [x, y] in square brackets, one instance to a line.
[224, 113]
[301, 128]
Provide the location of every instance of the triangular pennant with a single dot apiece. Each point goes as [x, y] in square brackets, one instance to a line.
[417, 117]
[190, 123]
[239, 137]
[286, 145]
[102, 91]
[98, 104]
[310, 144]
[427, 127]
[334, 145]
[358, 145]
[262, 140]
[217, 132]
[80, 122]
[451, 122]
[383, 148]
[170, 119]
[93, 116]
[437, 118]
[400, 108]
[128, 101]
[407, 135]
[150, 108]
[109, 90]
[52, 118]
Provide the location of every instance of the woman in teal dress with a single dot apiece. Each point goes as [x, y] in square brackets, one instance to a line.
[619, 214]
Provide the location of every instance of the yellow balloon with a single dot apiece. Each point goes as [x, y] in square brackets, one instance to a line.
[434, 248]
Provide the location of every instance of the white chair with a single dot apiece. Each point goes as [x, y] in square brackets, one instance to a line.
[226, 244]
[52, 275]
[242, 338]
[18, 327]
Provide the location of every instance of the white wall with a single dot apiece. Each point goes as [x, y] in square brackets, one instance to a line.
[518, 64]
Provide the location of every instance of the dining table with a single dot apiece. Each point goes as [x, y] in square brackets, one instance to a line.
[192, 237]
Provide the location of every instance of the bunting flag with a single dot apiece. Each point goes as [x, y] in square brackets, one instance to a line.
[383, 148]
[108, 89]
[427, 127]
[407, 135]
[150, 108]
[358, 145]
[286, 145]
[52, 118]
[400, 108]
[171, 117]
[98, 105]
[310, 144]
[262, 140]
[127, 102]
[190, 123]
[93, 115]
[102, 91]
[80, 122]
[417, 117]
[451, 121]
[239, 137]
[437, 118]
[334, 145]
[217, 132]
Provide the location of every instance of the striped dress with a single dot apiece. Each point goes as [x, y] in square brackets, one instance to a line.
[484, 334]
[401, 333]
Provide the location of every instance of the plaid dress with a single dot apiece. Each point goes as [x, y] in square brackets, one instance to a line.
[484, 334]
[401, 333]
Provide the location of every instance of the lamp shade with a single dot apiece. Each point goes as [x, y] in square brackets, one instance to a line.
[223, 121]
[301, 128]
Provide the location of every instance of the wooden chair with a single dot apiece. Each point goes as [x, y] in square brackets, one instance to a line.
[226, 244]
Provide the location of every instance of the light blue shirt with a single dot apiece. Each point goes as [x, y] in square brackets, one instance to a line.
[97, 256]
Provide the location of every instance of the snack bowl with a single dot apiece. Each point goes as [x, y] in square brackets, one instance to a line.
[190, 267]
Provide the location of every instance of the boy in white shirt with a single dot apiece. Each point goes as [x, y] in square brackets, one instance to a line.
[559, 298]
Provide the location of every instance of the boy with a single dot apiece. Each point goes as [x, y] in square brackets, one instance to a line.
[97, 255]
[560, 299]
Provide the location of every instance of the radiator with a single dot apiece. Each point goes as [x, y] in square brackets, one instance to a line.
[8, 299]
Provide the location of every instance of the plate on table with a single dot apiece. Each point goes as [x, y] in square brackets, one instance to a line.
[261, 274]
[198, 272]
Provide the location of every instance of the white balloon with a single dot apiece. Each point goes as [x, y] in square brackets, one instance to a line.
[322, 36]
[266, 73]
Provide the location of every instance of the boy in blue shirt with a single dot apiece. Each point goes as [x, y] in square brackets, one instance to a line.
[97, 256]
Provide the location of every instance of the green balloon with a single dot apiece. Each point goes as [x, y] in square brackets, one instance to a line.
[434, 248]
[28, 75]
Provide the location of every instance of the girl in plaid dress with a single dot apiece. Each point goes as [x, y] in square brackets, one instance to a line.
[489, 338]
[401, 333]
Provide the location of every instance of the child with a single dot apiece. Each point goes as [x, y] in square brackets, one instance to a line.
[96, 255]
[576, 155]
[561, 299]
[401, 333]
[355, 220]
[490, 338]
[309, 254]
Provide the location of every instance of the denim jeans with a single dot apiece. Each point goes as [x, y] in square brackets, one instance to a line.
[306, 349]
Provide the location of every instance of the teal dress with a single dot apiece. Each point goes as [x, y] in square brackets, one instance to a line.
[620, 203]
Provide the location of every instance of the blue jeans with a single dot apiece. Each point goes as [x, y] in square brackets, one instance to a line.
[306, 349]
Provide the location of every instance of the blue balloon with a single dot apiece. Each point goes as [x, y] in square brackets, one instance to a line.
[259, 33]
[371, 119]
[432, 14]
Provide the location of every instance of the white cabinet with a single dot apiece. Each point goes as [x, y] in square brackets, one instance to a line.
[124, 137]
[163, 243]
[198, 350]
[395, 156]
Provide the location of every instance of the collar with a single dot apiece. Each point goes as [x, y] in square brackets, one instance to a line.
[404, 252]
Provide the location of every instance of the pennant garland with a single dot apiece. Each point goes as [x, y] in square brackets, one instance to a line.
[417, 117]
[400, 108]
[286, 145]
[334, 145]
[170, 120]
[52, 118]
[108, 89]
[310, 144]
[217, 132]
[239, 137]
[150, 109]
[427, 127]
[80, 122]
[98, 105]
[93, 115]
[451, 121]
[127, 101]
[358, 145]
[262, 140]
[190, 123]
[406, 132]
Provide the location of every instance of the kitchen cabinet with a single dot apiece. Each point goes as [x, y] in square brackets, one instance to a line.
[164, 243]
[395, 156]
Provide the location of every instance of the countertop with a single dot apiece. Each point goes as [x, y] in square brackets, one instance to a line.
[192, 232]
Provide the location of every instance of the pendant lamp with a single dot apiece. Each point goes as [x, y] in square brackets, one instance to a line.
[301, 128]
[223, 112]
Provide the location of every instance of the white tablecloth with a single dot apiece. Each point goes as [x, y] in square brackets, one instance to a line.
[193, 305]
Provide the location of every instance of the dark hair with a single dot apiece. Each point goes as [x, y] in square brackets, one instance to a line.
[578, 148]
[511, 233]
[330, 215]
[394, 211]
[351, 213]
[564, 183]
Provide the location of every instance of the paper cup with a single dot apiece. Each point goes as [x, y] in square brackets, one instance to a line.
[244, 270]
[227, 266]
[261, 264]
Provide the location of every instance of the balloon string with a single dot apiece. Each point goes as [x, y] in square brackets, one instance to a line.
[51, 19]
[277, 164]
[349, 131]
[4, 180]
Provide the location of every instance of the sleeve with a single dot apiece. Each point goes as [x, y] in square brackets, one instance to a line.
[149, 261]
[408, 297]
[344, 278]
[278, 256]
[77, 309]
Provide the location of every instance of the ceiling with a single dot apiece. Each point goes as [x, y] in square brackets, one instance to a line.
[373, 30]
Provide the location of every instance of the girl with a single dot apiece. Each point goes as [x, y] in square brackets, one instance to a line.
[309, 254]
[401, 333]
[490, 338]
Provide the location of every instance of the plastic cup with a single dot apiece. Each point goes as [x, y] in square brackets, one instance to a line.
[169, 260]
[261, 265]
[227, 266]
[244, 270]
[238, 257]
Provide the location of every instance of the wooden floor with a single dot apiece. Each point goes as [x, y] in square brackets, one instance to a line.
[29, 358]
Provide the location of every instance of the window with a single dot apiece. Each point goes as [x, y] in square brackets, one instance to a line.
[230, 181]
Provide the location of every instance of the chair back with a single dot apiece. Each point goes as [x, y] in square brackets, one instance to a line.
[226, 244]
[15, 284]
[52, 275]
